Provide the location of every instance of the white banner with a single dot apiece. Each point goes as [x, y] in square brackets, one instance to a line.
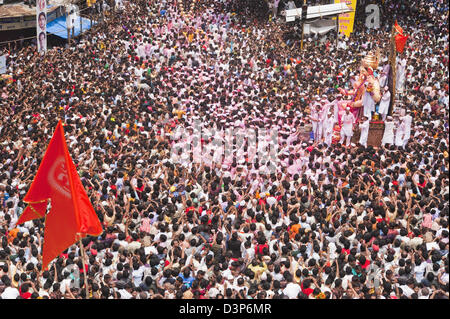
[41, 25]
[2, 64]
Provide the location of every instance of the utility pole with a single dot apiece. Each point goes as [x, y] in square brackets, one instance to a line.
[67, 27]
[69, 24]
[337, 30]
[81, 21]
[304, 12]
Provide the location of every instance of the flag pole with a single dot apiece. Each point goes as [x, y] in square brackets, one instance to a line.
[83, 257]
[393, 71]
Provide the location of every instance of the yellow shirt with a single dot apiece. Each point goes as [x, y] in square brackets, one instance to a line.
[258, 270]
[179, 113]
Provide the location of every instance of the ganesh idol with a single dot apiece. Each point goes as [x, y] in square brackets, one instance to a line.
[366, 91]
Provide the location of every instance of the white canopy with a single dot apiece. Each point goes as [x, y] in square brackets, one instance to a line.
[318, 11]
[320, 26]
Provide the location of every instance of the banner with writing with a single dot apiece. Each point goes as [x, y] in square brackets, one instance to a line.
[346, 20]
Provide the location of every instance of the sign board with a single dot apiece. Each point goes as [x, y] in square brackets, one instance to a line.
[322, 11]
[347, 19]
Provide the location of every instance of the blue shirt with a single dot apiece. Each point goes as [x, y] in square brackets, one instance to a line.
[187, 281]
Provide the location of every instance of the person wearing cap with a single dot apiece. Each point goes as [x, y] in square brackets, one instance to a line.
[348, 120]
[399, 132]
[388, 135]
[335, 104]
[324, 109]
[315, 120]
[328, 128]
[368, 104]
[401, 74]
[364, 128]
[407, 121]
[383, 107]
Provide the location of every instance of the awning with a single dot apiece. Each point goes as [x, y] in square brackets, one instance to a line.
[58, 26]
[320, 27]
[320, 11]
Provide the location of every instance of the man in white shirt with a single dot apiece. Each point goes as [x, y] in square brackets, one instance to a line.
[364, 126]
[9, 292]
[137, 274]
[408, 288]
[328, 126]
[419, 271]
[347, 127]
[316, 123]
[125, 292]
[292, 290]
[407, 120]
[427, 107]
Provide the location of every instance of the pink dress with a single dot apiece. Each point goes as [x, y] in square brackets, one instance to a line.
[427, 221]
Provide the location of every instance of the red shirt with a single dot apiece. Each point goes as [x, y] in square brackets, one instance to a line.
[306, 291]
[259, 248]
[366, 264]
[86, 269]
[24, 295]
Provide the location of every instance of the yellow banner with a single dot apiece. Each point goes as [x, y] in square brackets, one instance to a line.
[346, 20]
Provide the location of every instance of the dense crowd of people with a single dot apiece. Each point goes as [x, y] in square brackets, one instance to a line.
[183, 218]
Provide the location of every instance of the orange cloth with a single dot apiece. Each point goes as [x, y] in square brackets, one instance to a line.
[294, 230]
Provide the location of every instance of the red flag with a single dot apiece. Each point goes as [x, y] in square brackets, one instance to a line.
[71, 216]
[400, 42]
[398, 28]
[33, 211]
[400, 38]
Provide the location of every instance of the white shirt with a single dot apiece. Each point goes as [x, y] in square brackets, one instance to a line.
[271, 200]
[419, 270]
[407, 291]
[292, 290]
[10, 293]
[347, 126]
[137, 276]
[125, 294]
